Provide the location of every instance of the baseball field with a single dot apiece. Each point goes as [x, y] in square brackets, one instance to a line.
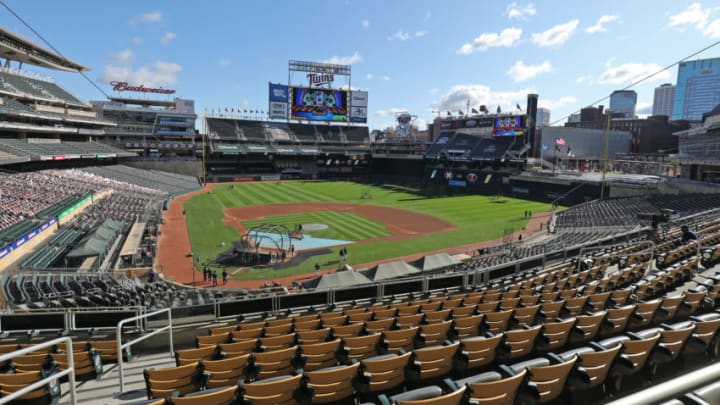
[374, 222]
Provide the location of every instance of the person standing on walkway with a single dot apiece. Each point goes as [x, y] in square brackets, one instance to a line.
[225, 276]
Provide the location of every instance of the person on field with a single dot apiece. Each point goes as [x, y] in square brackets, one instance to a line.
[225, 276]
[214, 278]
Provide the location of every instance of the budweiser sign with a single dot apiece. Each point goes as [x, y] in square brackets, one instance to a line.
[124, 86]
[318, 79]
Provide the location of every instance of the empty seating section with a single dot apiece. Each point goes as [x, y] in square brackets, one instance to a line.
[305, 133]
[38, 88]
[35, 150]
[171, 183]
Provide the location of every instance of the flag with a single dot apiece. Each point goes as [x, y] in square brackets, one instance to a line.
[544, 147]
[559, 141]
[499, 110]
[245, 111]
[226, 109]
[449, 114]
[474, 111]
[460, 112]
[518, 107]
[569, 151]
[483, 108]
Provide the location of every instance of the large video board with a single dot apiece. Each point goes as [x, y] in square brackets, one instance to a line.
[313, 104]
[509, 126]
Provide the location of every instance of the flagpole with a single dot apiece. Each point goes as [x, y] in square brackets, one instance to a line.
[605, 160]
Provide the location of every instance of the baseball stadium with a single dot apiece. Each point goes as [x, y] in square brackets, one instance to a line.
[294, 256]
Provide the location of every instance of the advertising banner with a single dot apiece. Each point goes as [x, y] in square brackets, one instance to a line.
[278, 110]
[279, 92]
[5, 251]
[359, 98]
[358, 114]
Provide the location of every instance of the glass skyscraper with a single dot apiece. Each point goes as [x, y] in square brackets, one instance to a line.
[663, 100]
[623, 101]
[697, 90]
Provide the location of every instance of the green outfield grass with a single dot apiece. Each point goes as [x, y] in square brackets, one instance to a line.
[476, 217]
[341, 225]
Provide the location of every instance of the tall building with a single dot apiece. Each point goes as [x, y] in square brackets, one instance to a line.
[663, 100]
[698, 89]
[623, 101]
[543, 117]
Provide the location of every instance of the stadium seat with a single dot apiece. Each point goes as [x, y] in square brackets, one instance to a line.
[547, 375]
[322, 355]
[468, 326]
[225, 395]
[226, 371]
[616, 320]
[555, 334]
[595, 364]
[161, 383]
[312, 335]
[480, 350]
[635, 354]
[188, 356]
[644, 314]
[436, 333]
[348, 330]
[280, 390]
[362, 347]
[278, 342]
[518, 343]
[332, 384]
[262, 365]
[431, 362]
[384, 373]
[492, 387]
[10, 383]
[238, 348]
[431, 395]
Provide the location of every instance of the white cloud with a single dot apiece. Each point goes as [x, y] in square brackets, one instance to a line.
[369, 76]
[694, 15]
[365, 23]
[345, 60]
[556, 35]
[521, 72]
[224, 63]
[157, 74]
[386, 78]
[600, 24]
[520, 11]
[508, 37]
[389, 112]
[148, 18]
[401, 35]
[713, 29]
[421, 124]
[479, 94]
[584, 79]
[167, 38]
[643, 108]
[137, 40]
[631, 72]
[124, 56]
[554, 104]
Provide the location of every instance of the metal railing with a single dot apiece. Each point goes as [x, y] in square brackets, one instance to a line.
[121, 346]
[673, 388]
[37, 384]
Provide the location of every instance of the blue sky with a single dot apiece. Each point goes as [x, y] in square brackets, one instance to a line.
[420, 56]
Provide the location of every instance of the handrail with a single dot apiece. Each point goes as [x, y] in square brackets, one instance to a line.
[121, 346]
[37, 384]
[673, 388]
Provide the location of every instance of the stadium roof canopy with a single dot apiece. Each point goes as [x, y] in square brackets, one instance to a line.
[17, 48]
[343, 278]
[435, 262]
[384, 271]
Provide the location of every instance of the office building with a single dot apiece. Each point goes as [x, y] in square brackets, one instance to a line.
[543, 117]
[697, 90]
[663, 100]
[624, 102]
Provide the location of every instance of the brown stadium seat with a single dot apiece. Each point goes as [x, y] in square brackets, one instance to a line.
[485, 307]
[107, 349]
[238, 348]
[360, 316]
[83, 361]
[440, 315]
[212, 340]
[402, 339]
[312, 336]
[472, 299]
[587, 327]
[380, 325]
[245, 334]
[362, 347]
[313, 324]
[384, 372]
[468, 326]
[216, 397]
[510, 294]
[620, 297]
[556, 334]
[518, 343]
[348, 330]
[431, 395]
[31, 363]
[431, 306]
[272, 364]
[431, 362]
[693, 302]
[491, 296]
[480, 350]
[274, 391]
[549, 296]
[509, 303]
[187, 356]
[276, 342]
[278, 322]
[332, 384]
[333, 319]
[408, 321]
[221, 330]
[278, 330]
[251, 325]
[385, 313]
[597, 302]
[407, 309]
[574, 306]
[452, 302]
[469, 310]
[161, 383]
[497, 322]
[529, 300]
[644, 314]
[616, 320]
[320, 355]
[669, 307]
[672, 342]
[635, 354]
[705, 337]
[595, 364]
[548, 377]
[304, 318]
[226, 372]
[526, 315]
[551, 309]
[435, 333]
[492, 388]
[10, 383]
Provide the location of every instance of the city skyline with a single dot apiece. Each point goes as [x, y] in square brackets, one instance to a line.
[436, 58]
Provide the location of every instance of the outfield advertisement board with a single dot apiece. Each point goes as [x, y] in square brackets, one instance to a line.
[278, 96]
[17, 243]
